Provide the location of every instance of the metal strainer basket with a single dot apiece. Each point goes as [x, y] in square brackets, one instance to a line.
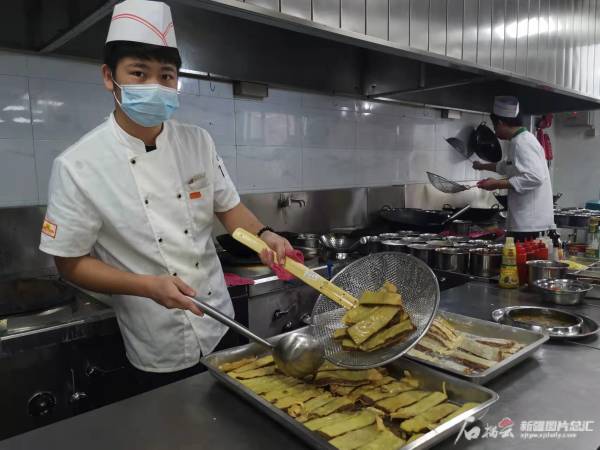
[445, 185]
[420, 294]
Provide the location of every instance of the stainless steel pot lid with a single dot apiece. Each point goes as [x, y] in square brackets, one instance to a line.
[555, 323]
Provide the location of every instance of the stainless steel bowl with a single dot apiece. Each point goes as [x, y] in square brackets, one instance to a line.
[562, 291]
[549, 270]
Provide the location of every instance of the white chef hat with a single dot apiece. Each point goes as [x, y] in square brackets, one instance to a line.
[506, 106]
[142, 21]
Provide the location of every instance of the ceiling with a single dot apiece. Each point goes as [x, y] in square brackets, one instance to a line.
[241, 49]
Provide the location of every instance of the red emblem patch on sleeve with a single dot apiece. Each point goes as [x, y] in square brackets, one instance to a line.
[49, 228]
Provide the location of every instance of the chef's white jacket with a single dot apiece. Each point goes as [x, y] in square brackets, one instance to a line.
[146, 213]
[530, 206]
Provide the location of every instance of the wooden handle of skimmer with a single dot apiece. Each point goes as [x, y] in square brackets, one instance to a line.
[309, 276]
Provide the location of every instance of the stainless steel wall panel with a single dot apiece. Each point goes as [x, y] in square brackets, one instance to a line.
[484, 33]
[400, 22]
[454, 28]
[591, 46]
[576, 65]
[269, 4]
[377, 18]
[471, 9]
[597, 53]
[353, 15]
[419, 24]
[560, 7]
[297, 8]
[522, 30]
[327, 12]
[569, 42]
[533, 39]
[510, 35]
[583, 46]
[437, 26]
[544, 62]
[552, 41]
[498, 31]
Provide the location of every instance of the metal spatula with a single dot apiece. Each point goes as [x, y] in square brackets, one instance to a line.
[445, 185]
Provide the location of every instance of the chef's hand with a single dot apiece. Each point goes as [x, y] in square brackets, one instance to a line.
[478, 165]
[277, 243]
[171, 293]
[489, 184]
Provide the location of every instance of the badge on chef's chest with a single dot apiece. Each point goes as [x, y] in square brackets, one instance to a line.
[197, 186]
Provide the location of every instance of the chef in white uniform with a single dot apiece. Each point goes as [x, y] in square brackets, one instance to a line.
[132, 203]
[530, 206]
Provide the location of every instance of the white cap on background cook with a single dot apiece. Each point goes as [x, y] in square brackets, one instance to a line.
[506, 106]
[142, 21]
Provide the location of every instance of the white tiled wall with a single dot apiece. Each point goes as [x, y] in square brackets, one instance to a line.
[289, 141]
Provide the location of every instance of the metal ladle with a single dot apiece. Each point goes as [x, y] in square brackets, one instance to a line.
[296, 354]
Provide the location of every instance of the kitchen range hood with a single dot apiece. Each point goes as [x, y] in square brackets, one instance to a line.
[454, 54]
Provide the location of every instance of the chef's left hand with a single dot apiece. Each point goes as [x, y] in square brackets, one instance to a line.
[489, 184]
[277, 243]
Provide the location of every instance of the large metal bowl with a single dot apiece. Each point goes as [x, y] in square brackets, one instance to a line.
[562, 291]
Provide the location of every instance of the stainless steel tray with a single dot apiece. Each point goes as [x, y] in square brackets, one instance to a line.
[484, 328]
[458, 391]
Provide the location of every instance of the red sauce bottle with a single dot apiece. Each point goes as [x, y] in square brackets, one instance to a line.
[522, 263]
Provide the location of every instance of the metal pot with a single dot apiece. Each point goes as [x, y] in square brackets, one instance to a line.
[328, 254]
[542, 269]
[579, 220]
[439, 243]
[412, 240]
[562, 220]
[307, 240]
[457, 239]
[461, 227]
[484, 262]
[429, 236]
[390, 236]
[394, 245]
[452, 259]
[562, 292]
[422, 251]
[372, 244]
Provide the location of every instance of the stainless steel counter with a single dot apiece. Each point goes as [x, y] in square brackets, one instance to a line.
[558, 384]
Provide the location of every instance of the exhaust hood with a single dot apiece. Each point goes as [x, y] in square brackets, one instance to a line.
[454, 54]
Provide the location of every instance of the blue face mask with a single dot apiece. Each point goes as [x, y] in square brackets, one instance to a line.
[147, 105]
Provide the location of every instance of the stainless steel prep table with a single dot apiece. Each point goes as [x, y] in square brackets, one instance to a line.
[200, 413]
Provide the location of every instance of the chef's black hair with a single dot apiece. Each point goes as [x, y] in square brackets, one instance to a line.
[114, 51]
[510, 121]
